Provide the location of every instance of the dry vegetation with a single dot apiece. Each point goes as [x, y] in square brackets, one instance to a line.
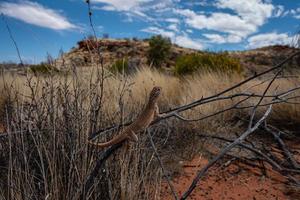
[48, 112]
[49, 118]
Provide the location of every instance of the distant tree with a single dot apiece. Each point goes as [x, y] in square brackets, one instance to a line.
[105, 36]
[159, 50]
[90, 37]
[135, 39]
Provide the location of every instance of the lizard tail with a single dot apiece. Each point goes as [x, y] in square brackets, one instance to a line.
[111, 142]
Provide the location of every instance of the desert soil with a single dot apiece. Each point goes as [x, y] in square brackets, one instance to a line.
[231, 181]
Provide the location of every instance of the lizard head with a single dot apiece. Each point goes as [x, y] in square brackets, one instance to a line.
[154, 94]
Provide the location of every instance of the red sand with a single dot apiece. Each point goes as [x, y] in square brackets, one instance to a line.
[234, 182]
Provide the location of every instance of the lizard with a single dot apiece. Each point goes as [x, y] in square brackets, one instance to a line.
[144, 119]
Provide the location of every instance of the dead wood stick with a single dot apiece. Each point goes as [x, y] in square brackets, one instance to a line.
[202, 172]
[280, 142]
[198, 102]
[162, 166]
[283, 146]
[100, 161]
[251, 129]
[250, 148]
[272, 162]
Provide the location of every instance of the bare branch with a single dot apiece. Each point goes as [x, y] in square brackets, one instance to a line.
[13, 39]
[261, 98]
[101, 160]
[283, 146]
[273, 163]
[201, 101]
[162, 166]
[202, 172]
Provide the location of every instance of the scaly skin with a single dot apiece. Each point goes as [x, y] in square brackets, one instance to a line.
[145, 118]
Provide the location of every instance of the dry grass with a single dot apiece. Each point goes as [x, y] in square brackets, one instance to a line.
[51, 160]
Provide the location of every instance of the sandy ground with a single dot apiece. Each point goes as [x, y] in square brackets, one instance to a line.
[234, 182]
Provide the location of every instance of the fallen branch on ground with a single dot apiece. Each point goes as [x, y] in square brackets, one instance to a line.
[236, 142]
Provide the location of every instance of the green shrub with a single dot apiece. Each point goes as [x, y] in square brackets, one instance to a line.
[187, 64]
[120, 66]
[159, 50]
[43, 69]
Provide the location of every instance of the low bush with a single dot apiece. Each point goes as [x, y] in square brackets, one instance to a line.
[120, 66]
[159, 50]
[43, 69]
[190, 63]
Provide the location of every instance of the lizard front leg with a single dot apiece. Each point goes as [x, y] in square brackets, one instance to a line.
[156, 113]
[132, 136]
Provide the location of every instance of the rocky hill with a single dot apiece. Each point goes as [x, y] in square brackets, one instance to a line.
[85, 54]
[257, 60]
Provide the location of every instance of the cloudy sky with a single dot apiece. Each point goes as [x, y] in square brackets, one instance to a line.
[46, 26]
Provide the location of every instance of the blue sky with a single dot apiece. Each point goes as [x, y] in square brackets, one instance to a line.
[46, 26]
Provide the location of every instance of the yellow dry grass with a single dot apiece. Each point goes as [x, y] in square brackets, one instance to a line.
[132, 91]
[66, 103]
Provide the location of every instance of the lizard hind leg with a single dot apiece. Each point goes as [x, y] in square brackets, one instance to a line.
[132, 137]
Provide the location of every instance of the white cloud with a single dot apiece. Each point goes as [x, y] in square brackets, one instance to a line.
[189, 30]
[107, 8]
[252, 11]
[182, 40]
[173, 27]
[36, 14]
[132, 8]
[291, 13]
[187, 42]
[221, 22]
[220, 39]
[195, 3]
[248, 16]
[215, 38]
[279, 11]
[120, 5]
[172, 20]
[296, 13]
[159, 31]
[139, 8]
[267, 39]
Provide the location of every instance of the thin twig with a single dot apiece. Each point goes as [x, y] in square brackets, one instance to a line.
[90, 18]
[13, 39]
[272, 162]
[250, 130]
[276, 134]
[174, 111]
[102, 158]
[162, 166]
[261, 98]
[283, 146]
[248, 147]
[202, 172]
